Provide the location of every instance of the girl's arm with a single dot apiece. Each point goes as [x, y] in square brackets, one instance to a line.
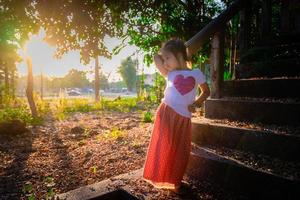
[205, 92]
[158, 61]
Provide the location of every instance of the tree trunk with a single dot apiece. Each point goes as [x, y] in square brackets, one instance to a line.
[1, 99]
[6, 80]
[42, 86]
[12, 83]
[97, 79]
[29, 89]
[137, 77]
[1, 89]
[142, 82]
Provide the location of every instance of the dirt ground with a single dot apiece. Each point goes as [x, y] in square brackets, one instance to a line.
[63, 155]
[83, 149]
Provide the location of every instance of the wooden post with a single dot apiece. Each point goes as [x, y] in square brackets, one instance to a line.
[217, 64]
[266, 18]
[196, 42]
[97, 79]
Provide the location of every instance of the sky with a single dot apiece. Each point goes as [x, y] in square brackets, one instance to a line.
[43, 60]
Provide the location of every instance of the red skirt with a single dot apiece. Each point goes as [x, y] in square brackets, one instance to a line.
[169, 149]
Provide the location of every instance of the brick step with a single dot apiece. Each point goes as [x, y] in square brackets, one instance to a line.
[263, 140]
[276, 88]
[208, 164]
[281, 112]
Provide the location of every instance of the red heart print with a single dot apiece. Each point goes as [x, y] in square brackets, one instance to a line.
[184, 85]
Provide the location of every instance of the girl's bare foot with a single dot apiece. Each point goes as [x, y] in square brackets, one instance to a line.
[176, 190]
[181, 190]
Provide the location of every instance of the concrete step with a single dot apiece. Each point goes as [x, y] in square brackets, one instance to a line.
[205, 164]
[131, 186]
[269, 142]
[282, 111]
[282, 39]
[271, 53]
[269, 68]
[272, 88]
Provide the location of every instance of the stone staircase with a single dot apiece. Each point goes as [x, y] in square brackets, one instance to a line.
[277, 56]
[249, 140]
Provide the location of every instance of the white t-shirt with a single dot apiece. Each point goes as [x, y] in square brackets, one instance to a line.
[181, 89]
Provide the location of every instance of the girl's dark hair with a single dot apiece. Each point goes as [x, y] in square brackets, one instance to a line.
[176, 46]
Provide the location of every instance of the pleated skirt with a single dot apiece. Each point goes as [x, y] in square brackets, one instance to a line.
[169, 149]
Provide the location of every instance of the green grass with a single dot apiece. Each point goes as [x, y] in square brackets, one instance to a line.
[93, 169]
[147, 117]
[21, 113]
[61, 108]
[122, 105]
[18, 109]
[115, 134]
[28, 191]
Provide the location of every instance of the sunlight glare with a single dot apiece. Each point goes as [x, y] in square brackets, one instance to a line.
[37, 49]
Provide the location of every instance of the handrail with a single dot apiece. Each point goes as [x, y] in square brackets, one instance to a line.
[194, 44]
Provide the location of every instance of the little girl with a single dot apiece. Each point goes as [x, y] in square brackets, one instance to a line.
[170, 144]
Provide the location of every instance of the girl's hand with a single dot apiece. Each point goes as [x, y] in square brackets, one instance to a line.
[205, 92]
[158, 60]
[192, 107]
[159, 63]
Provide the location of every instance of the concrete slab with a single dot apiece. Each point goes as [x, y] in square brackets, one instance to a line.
[100, 188]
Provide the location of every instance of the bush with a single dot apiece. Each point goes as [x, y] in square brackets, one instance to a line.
[8, 114]
[227, 76]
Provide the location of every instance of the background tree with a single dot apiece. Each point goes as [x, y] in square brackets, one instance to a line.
[76, 78]
[149, 23]
[127, 70]
[103, 81]
[78, 25]
[162, 20]
[15, 27]
[54, 84]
